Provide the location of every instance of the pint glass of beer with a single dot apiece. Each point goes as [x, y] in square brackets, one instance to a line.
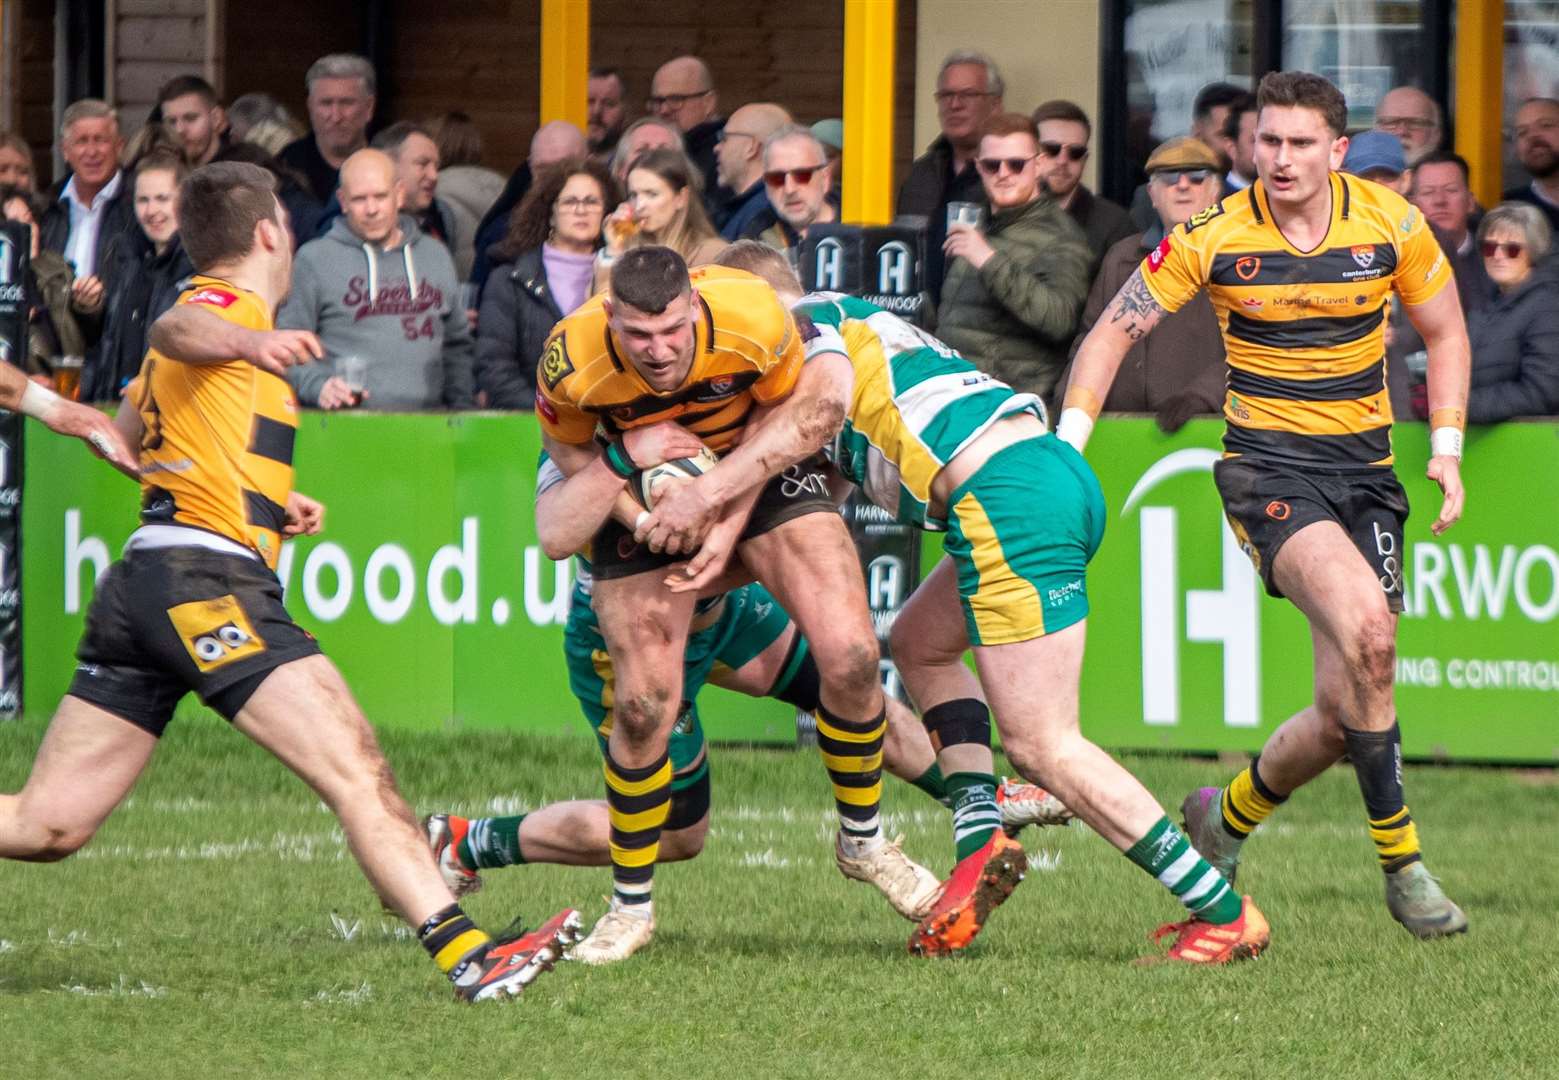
[67, 377]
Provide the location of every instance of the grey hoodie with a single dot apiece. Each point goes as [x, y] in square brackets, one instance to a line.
[399, 309]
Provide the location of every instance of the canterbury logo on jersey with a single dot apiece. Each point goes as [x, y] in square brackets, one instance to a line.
[1337, 266]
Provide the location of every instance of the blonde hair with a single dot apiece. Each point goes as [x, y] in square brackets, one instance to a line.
[272, 133]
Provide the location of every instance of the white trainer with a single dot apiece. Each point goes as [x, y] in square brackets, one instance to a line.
[909, 887]
[620, 933]
[1023, 804]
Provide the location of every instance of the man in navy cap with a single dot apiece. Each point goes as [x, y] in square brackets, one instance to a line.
[1378, 156]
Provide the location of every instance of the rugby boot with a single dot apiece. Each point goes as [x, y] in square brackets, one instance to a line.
[909, 887]
[1415, 900]
[621, 932]
[978, 884]
[1201, 814]
[1023, 804]
[445, 833]
[512, 962]
[1200, 942]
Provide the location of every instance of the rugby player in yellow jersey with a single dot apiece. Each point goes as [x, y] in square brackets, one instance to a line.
[1299, 267]
[20, 394]
[713, 352]
[943, 446]
[194, 604]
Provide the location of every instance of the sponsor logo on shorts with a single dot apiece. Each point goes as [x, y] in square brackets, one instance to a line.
[215, 632]
[1248, 267]
[1390, 562]
[1065, 593]
[797, 482]
[1278, 510]
[684, 724]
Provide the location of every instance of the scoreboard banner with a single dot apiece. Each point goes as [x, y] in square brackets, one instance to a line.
[428, 588]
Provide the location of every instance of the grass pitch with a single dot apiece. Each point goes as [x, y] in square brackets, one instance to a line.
[217, 927]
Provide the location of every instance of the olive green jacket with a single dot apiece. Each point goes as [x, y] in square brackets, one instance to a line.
[1015, 316]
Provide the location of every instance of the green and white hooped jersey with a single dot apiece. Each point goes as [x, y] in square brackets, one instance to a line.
[916, 402]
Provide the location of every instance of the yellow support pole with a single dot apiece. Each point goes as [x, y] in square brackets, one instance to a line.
[1480, 86]
[869, 51]
[565, 60]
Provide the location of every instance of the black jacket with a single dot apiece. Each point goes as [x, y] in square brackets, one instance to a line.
[700, 142]
[1515, 352]
[145, 285]
[495, 223]
[119, 225]
[518, 313]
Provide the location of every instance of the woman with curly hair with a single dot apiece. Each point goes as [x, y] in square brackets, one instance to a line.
[543, 271]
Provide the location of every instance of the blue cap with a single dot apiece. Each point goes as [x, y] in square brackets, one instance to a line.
[1372, 150]
[830, 133]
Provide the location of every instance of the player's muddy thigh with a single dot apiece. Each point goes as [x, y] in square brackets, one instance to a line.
[810, 565]
[646, 629]
[305, 715]
[88, 762]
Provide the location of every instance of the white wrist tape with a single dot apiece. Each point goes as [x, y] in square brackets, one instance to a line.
[638, 522]
[40, 402]
[1074, 428]
[1446, 442]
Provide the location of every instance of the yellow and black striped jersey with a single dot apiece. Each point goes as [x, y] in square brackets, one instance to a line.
[217, 449]
[1304, 331]
[746, 351]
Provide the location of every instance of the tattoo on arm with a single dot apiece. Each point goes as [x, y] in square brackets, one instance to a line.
[1134, 308]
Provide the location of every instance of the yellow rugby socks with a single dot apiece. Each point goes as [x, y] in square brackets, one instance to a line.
[639, 801]
[1247, 802]
[852, 753]
[1377, 762]
[451, 938]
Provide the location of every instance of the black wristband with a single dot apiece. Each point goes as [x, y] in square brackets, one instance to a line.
[618, 461]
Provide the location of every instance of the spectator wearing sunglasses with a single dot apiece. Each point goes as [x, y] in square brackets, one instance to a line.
[799, 179]
[1178, 371]
[739, 165]
[1515, 339]
[1064, 132]
[1014, 288]
[969, 91]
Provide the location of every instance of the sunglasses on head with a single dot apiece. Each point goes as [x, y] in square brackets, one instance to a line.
[991, 166]
[1074, 151]
[1510, 249]
[776, 177]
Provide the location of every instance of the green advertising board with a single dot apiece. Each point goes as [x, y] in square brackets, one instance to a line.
[429, 590]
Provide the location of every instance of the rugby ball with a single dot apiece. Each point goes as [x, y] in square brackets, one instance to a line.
[646, 481]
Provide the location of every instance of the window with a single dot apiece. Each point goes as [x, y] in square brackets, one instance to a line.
[1366, 47]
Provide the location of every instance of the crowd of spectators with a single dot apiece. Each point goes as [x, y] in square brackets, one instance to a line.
[433, 280]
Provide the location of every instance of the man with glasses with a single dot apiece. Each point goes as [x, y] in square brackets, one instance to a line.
[341, 103]
[799, 180]
[1064, 131]
[1178, 372]
[1014, 288]
[683, 92]
[1440, 188]
[1414, 117]
[969, 89]
[1537, 148]
[739, 165]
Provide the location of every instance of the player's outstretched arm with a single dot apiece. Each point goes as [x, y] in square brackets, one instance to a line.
[1127, 320]
[20, 394]
[1439, 322]
[190, 335]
